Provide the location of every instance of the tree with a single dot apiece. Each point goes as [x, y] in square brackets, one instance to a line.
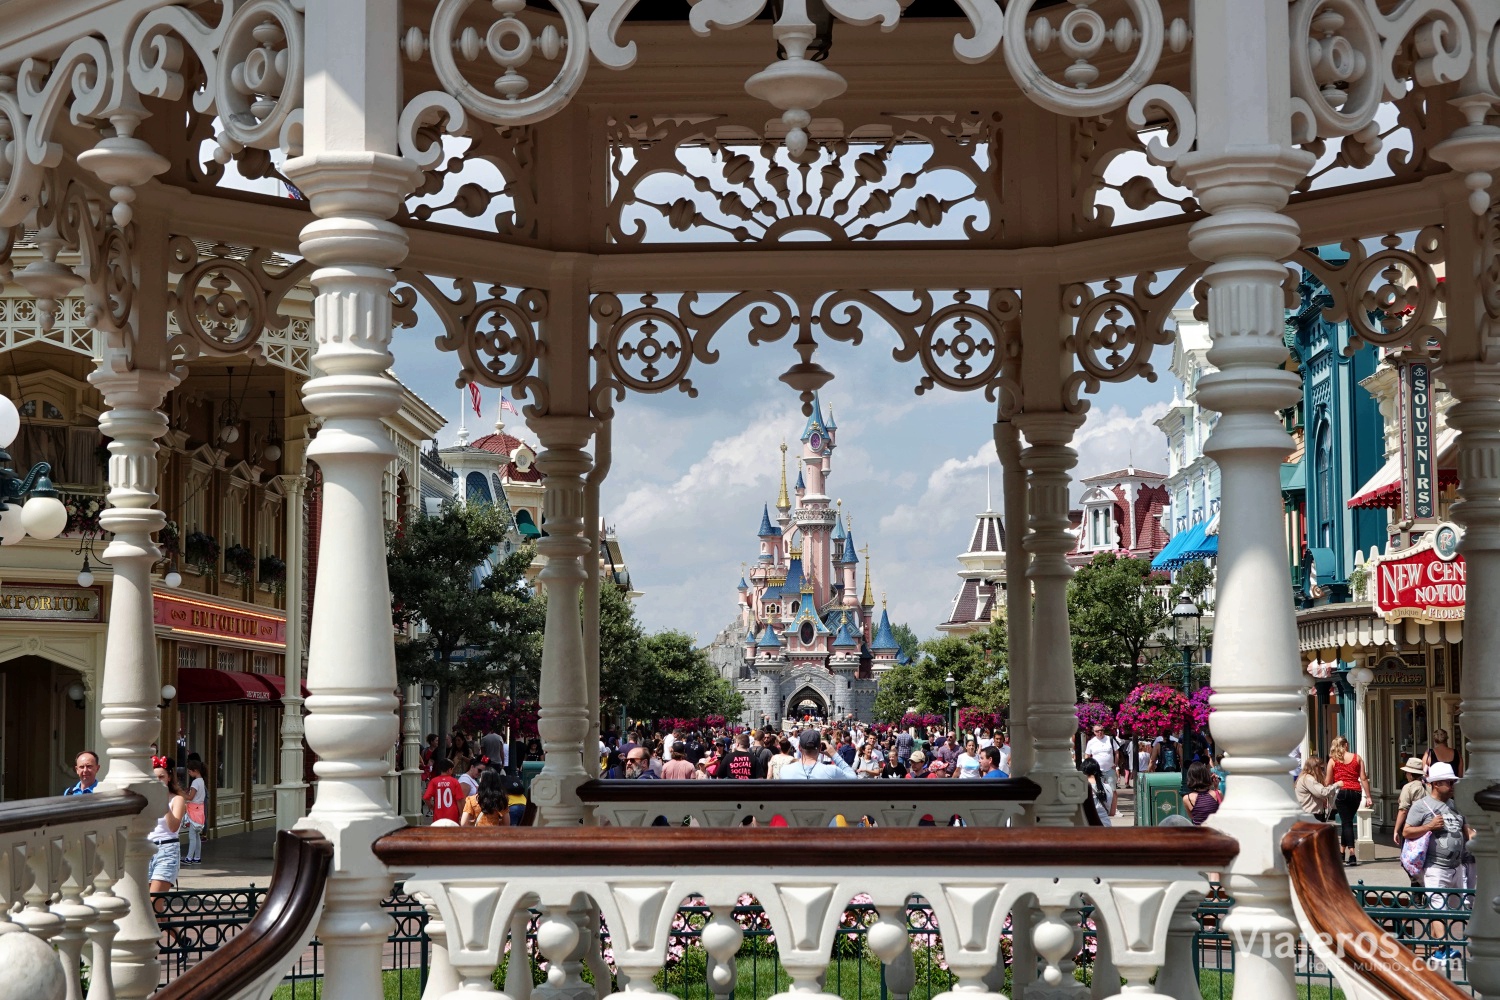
[978, 663]
[1115, 615]
[446, 580]
[678, 681]
[907, 643]
[622, 649]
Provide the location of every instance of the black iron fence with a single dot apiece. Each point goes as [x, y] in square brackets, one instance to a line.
[1433, 923]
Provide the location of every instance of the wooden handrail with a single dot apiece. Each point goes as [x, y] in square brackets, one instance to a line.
[791, 847]
[279, 930]
[1367, 949]
[56, 810]
[798, 792]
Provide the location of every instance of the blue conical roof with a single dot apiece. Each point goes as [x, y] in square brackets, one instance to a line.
[743, 584]
[838, 527]
[801, 483]
[750, 637]
[849, 558]
[815, 421]
[884, 638]
[769, 639]
[793, 583]
[845, 639]
[767, 529]
[831, 425]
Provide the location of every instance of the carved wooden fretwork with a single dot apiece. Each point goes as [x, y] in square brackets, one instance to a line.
[964, 340]
[486, 182]
[226, 298]
[1390, 297]
[728, 178]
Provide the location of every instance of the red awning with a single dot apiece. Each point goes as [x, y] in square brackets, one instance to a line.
[279, 683]
[1384, 488]
[201, 685]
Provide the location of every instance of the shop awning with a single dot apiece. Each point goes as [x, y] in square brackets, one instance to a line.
[1164, 558]
[203, 685]
[1340, 626]
[1194, 545]
[1384, 488]
[278, 682]
[1293, 477]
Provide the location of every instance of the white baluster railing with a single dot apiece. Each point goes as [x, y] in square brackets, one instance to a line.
[59, 859]
[973, 878]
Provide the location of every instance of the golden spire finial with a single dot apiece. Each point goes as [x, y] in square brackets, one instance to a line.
[869, 598]
[882, 600]
[783, 502]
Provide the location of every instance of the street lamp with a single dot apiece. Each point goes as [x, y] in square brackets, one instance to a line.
[1185, 633]
[949, 683]
[28, 505]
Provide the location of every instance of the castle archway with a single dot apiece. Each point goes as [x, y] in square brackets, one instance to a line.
[807, 701]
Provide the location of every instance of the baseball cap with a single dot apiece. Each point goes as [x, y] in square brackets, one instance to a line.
[809, 740]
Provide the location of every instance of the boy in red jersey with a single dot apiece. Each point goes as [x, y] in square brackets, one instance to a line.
[445, 792]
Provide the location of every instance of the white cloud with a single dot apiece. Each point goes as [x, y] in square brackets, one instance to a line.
[1113, 437]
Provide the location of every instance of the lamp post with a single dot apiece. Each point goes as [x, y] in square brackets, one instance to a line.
[949, 683]
[28, 504]
[1185, 624]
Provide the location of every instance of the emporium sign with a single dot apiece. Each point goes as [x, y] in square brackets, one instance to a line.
[36, 602]
[1425, 581]
[205, 620]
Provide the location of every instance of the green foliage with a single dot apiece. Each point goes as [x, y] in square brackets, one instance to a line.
[679, 681]
[978, 664]
[907, 642]
[1115, 614]
[447, 579]
[1193, 580]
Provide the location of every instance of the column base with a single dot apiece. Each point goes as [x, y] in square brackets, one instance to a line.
[1364, 834]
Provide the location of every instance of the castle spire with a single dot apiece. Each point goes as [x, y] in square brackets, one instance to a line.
[869, 597]
[783, 502]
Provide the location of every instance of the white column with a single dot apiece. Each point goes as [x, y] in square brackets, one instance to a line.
[1476, 386]
[130, 690]
[1017, 595]
[1053, 695]
[411, 754]
[354, 183]
[1242, 172]
[291, 791]
[564, 715]
[1361, 677]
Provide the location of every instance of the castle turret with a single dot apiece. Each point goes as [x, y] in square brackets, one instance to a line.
[883, 644]
[848, 570]
[770, 538]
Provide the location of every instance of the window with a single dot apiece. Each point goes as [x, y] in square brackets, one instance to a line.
[262, 745]
[261, 664]
[189, 657]
[1323, 473]
[230, 659]
[476, 489]
[806, 633]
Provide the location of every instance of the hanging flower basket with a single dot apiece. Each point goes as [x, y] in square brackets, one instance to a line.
[1201, 708]
[239, 563]
[201, 550]
[972, 718]
[489, 713]
[272, 573]
[83, 514]
[1154, 710]
[169, 539]
[1094, 713]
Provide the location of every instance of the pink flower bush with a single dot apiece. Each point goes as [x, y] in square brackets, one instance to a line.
[1094, 713]
[930, 720]
[489, 713]
[979, 718]
[1154, 710]
[1201, 708]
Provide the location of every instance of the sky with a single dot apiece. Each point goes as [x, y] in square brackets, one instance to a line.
[690, 476]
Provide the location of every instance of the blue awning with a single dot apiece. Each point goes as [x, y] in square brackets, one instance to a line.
[1207, 546]
[1164, 558]
[1187, 542]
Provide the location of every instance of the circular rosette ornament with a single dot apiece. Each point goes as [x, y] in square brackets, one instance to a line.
[1083, 37]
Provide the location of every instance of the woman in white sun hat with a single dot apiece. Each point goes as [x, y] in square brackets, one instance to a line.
[1448, 850]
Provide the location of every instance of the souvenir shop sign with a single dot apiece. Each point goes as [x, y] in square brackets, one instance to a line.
[1425, 581]
[1419, 491]
[207, 621]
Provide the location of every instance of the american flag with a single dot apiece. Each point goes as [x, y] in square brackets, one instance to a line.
[505, 405]
[474, 398]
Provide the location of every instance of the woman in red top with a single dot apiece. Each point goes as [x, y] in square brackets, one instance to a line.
[1346, 772]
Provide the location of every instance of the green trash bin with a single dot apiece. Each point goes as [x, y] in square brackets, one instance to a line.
[1157, 796]
[530, 769]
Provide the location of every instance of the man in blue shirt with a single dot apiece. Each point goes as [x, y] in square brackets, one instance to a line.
[86, 766]
[989, 763]
[811, 765]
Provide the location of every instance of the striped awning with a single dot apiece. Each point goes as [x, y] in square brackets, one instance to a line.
[1362, 628]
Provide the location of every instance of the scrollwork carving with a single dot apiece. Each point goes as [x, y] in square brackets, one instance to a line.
[744, 187]
[1115, 331]
[1348, 57]
[225, 299]
[1390, 297]
[497, 338]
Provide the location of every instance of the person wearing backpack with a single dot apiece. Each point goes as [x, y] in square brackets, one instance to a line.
[1166, 754]
[1104, 748]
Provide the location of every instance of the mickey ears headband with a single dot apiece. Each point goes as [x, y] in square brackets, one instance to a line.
[160, 762]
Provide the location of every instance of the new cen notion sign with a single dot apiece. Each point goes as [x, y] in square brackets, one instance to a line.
[1426, 581]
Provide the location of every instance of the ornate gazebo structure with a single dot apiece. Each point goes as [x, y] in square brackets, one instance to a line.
[586, 195]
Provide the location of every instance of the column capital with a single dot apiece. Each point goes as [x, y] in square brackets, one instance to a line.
[361, 183]
[133, 387]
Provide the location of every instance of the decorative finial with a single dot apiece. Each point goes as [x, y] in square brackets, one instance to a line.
[783, 502]
[463, 426]
[882, 600]
[868, 600]
[848, 520]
